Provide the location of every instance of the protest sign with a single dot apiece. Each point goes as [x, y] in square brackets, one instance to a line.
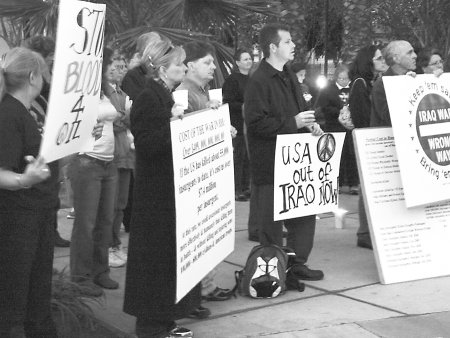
[76, 80]
[306, 178]
[420, 115]
[204, 194]
[409, 243]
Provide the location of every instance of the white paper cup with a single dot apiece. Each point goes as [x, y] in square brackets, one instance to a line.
[181, 97]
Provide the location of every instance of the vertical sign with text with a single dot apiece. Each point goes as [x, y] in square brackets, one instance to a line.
[76, 80]
[204, 194]
[306, 178]
[409, 243]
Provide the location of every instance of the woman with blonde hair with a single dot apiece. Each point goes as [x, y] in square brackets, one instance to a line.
[150, 287]
[28, 196]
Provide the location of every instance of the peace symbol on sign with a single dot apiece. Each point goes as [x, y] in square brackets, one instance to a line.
[326, 147]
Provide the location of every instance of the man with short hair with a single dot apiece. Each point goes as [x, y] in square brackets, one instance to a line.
[401, 59]
[200, 63]
[274, 105]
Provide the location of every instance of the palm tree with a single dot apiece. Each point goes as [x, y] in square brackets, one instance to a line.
[179, 20]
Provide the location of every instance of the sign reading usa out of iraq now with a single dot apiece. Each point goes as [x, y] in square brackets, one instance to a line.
[420, 115]
[306, 178]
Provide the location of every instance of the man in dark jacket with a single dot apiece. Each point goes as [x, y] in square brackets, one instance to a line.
[274, 105]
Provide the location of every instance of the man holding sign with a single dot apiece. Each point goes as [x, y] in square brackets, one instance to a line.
[274, 105]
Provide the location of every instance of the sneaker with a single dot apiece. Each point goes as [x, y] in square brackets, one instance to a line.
[179, 331]
[114, 260]
[303, 272]
[119, 252]
[88, 288]
[218, 294]
[105, 282]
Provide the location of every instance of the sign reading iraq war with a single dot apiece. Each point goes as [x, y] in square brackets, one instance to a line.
[306, 178]
[76, 81]
[420, 115]
[204, 193]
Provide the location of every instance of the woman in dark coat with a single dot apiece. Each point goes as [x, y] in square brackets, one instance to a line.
[151, 271]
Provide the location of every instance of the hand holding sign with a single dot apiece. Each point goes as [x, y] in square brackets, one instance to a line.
[181, 98]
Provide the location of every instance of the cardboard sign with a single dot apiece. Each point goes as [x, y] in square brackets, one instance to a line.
[420, 115]
[306, 178]
[204, 194]
[76, 81]
[409, 243]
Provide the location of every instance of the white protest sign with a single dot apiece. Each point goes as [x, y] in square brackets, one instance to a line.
[306, 177]
[409, 243]
[181, 97]
[420, 115]
[204, 194]
[76, 80]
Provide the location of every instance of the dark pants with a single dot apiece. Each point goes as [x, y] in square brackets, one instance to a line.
[241, 165]
[94, 187]
[26, 261]
[363, 230]
[252, 216]
[122, 190]
[300, 230]
[127, 211]
[348, 170]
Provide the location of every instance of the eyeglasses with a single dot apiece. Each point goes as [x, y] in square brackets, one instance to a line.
[379, 58]
[437, 62]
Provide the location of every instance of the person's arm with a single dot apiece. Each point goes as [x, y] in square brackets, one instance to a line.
[35, 172]
[258, 118]
[151, 131]
[359, 104]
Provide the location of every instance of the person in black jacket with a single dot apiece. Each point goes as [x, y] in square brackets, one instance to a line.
[366, 67]
[274, 105]
[233, 93]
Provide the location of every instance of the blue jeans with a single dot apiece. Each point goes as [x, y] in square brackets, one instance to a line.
[94, 188]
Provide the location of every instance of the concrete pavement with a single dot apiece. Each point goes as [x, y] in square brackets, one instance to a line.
[349, 302]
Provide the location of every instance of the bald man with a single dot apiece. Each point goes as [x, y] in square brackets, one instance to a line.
[400, 58]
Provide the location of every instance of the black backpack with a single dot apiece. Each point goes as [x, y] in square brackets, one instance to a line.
[266, 273]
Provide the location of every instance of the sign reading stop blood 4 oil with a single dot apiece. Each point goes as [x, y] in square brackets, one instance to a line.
[204, 194]
[420, 115]
[306, 177]
[76, 80]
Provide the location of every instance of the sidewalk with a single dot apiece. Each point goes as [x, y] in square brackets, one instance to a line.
[349, 302]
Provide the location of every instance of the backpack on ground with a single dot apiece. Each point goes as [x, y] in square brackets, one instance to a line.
[264, 274]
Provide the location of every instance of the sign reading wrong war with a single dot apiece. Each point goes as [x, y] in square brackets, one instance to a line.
[204, 194]
[76, 80]
[420, 115]
[306, 174]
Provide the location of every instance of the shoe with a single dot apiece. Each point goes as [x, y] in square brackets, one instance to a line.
[200, 313]
[114, 260]
[119, 252]
[105, 282]
[247, 193]
[365, 243]
[61, 242]
[179, 331]
[218, 294]
[71, 214]
[88, 288]
[354, 190]
[303, 272]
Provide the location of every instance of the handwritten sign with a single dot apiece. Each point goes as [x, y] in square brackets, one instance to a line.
[409, 243]
[204, 194]
[306, 178]
[420, 115]
[76, 81]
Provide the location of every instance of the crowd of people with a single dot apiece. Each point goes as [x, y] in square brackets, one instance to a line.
[132, 156]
